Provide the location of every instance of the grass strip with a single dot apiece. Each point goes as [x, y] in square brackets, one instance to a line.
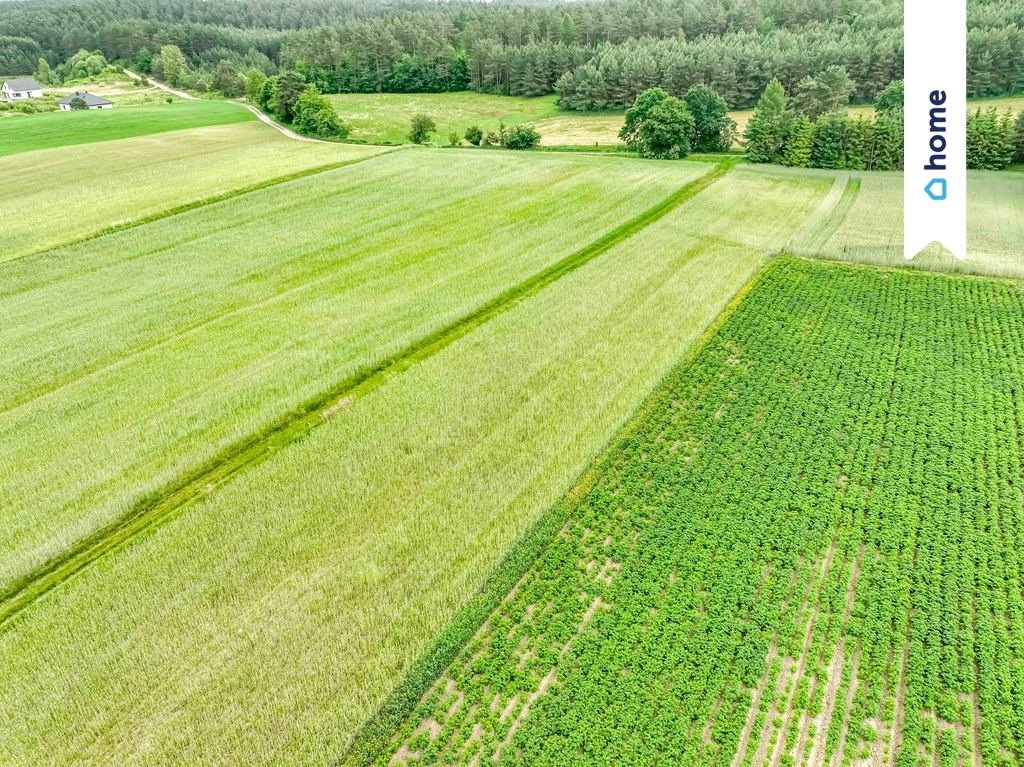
[374, 736]
[297, 423]
[195, 204]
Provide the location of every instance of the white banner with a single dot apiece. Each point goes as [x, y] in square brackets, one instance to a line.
[935, 126]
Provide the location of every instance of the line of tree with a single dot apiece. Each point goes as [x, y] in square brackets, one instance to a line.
[597, 54]
[813, 130]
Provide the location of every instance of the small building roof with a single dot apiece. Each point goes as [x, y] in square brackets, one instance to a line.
[88, 98]
[23, 84]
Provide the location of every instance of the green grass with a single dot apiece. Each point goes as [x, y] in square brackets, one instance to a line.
[51, 200]
[343, 554]
[869, 227]
[215, 342]
[383, 118]
[817, 522]
[58, 129]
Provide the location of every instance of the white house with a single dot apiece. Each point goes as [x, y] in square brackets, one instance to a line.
[21, 88]
[91, 102]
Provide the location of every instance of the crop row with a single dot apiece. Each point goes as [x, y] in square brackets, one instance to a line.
[807, 553]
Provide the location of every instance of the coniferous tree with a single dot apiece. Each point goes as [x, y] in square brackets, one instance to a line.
[799, 142]
[765, 132]
[831, 136]
[1019, 138]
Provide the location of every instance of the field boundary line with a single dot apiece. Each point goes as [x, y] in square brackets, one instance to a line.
[370, 740]
[297, 423]
[194, 205]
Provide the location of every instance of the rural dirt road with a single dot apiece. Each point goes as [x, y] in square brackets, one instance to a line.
[262, 117]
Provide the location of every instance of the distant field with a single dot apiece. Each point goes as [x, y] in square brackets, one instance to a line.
[326, 572]
[383, 118]
[807, 554]
[66, 193]
[377, 118]
[56, 129]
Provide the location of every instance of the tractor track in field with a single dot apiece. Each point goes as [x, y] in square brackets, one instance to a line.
[298, 423]
[203, 202]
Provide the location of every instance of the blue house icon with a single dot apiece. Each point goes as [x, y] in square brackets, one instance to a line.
[936, 189]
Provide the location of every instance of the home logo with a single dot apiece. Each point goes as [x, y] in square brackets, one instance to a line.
[935, 126]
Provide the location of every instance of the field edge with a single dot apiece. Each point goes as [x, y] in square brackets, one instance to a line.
[371, 739]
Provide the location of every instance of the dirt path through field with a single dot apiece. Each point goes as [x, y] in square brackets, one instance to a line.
[162, 86]
[259, 115]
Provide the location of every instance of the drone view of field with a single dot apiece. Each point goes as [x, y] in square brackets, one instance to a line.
[378, 391]
[278, 465]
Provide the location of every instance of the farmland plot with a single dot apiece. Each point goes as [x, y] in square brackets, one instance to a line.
[55, 129]
[56, 196]
[808, 552]
[183, 342]
[266, 623]
[867, 225]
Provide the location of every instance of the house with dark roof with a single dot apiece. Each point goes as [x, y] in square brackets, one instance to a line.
[20, 88]
[91, 102]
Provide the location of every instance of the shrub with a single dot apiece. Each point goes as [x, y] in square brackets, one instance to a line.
[454, 139]
[316, 116]
[474, 135]
[420, 128]
[521, 137]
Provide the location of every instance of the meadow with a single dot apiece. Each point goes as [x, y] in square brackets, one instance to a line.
[300, 592]
[56, 129]
[383, 118]
[871, 421]
[47, 199]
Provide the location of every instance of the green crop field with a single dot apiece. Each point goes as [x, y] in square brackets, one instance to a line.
[412, 486]
[863, 222]
[807, 551]
[56, 129]
[284, 422]
[364, 274]
[68, 193]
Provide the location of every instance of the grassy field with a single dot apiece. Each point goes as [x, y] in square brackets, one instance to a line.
[871, 422]
[405, 497]
[52, 200]
[57, 129]
[274, 412]
[122, 393]
[384, 117]
[866, 224]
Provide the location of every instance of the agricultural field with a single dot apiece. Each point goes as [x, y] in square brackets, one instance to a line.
[123, 394]
[264, 595]
[57, 129]
[132, 179]
[865, 223]
[805, 551]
